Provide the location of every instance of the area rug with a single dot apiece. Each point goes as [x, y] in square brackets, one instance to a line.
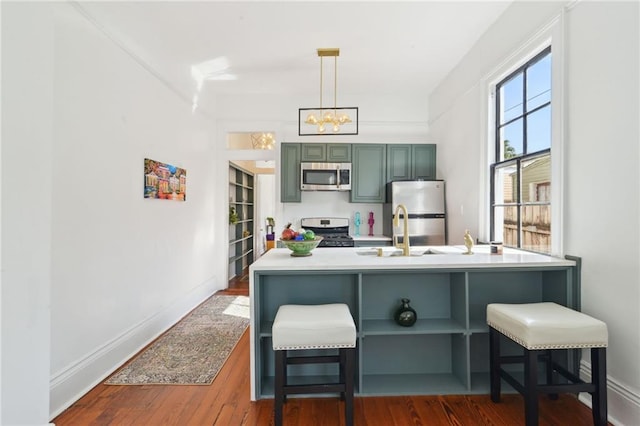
[192, 351]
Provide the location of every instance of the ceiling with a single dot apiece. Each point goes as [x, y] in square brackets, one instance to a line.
[259, 47]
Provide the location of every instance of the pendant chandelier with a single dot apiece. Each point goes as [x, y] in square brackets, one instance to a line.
[335, 117]
[262, 140]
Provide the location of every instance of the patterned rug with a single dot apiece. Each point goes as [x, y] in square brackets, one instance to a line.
[192, 351]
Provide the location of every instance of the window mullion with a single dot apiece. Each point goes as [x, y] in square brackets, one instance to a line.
[492, 215]
[498, 156]
[525, 113]
[525, 151]
[539, 107]
[518, 204]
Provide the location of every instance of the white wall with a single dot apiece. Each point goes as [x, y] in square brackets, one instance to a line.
[26, 215]
[601, 42]
[125, 268]
[603, 151]
[79, 116]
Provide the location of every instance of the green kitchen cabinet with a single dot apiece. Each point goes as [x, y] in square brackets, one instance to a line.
[326, 152]
[424, 161]
[312, 152]
[290, 173]
[411, 162]
[339, 152]
[368, 175]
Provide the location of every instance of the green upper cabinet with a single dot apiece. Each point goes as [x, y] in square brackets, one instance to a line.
[339, 152]
[373, 165]
[398, 162]
[314, 152]
[411, 161]
[326, 152]
[368, 173]
[424, 161]
[290, 173]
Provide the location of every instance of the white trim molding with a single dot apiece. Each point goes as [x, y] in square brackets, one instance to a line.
[551, 34]
[70, 384]
[621, 399]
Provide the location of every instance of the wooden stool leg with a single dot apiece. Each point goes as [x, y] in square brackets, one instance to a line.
[599, 379]
[530, 387]
[342, 366]
[278, 394]
[494, 364]
[549, 367]
[349, 385]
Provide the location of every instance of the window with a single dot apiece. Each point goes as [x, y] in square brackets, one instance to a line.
[520, 213]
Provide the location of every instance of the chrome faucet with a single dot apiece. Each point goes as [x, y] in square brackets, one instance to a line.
[406, 250]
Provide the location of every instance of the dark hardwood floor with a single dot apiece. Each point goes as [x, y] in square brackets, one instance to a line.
[226, 402]
[238, 285]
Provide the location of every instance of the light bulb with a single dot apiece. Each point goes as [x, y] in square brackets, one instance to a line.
[311, 119]
[328, 117]
[336, 128]
[321, 128]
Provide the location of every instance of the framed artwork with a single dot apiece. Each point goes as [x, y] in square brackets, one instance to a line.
[164, 181]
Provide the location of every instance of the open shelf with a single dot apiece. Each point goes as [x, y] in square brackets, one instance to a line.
[240, 185]
[422, 326]
[241, 256]
[239, 240]
[411, 384]
[241, 198]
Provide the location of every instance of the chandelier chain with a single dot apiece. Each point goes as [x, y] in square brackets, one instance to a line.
[321, 67]
[335, 84]
[328, 118]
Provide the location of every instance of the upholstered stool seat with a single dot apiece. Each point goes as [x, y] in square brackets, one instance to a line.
[313, 327]
[541, 328]
[321, 327]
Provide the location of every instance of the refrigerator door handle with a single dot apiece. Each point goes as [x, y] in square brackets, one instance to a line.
[426, 215]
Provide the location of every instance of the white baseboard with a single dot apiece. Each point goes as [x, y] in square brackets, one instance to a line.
[623, 403]
[72, 383]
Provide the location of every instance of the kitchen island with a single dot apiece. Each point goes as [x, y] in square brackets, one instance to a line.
[446, 351]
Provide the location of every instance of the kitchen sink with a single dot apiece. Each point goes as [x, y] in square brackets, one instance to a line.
[386, 252]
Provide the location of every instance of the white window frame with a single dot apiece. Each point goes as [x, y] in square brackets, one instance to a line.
[552, 34]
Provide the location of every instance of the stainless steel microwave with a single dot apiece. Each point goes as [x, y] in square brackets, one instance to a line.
[325, 176]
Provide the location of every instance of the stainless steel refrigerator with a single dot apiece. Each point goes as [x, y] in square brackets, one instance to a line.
[425, 203]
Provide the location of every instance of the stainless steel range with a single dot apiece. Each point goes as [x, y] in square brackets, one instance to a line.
[333, 230]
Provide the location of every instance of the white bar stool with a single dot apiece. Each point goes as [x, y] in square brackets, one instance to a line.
[301, 327]
[541, 328]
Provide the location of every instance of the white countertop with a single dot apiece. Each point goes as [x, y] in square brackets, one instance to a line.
[449, 257]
